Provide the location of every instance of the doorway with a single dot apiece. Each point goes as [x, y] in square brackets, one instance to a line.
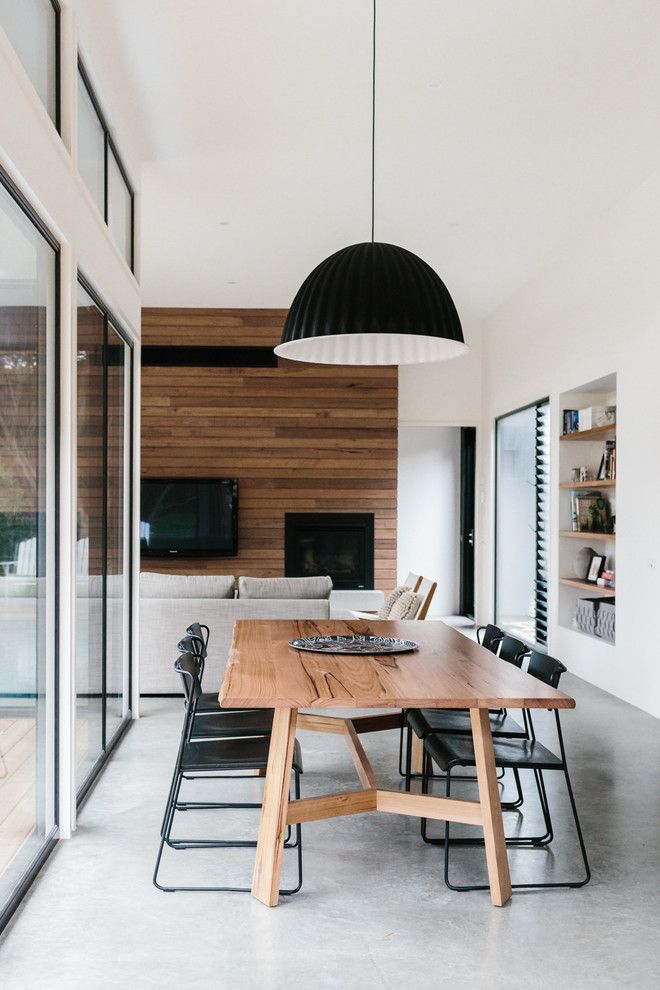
[468, 473]
[435, 509]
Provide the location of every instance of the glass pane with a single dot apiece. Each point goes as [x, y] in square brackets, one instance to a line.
[516, 523]
[27, 314]
[31, 26]
[117, 628]
[91, 146]
[89, 537]
[119, 208]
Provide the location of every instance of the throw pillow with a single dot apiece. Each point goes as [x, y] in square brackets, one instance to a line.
[386, 607]
[406, 606]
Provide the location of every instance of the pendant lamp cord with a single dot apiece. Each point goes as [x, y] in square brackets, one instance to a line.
[373, 124]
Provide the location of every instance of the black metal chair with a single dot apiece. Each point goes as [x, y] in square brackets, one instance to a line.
[211, 720]
[424, 721]
[450, 751]
[210, 758]
[489, 636]
[512, 650]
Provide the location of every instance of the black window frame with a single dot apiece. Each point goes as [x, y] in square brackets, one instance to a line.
[109, 745]
[541, 618]
[109, 146]
[52, 838]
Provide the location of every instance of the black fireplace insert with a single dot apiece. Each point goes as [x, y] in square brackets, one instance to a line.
[340, 544]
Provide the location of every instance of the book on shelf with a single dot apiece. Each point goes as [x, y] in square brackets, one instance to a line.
[571, 420]
[606, 580]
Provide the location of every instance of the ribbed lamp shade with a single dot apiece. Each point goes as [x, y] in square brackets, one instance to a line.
[372, 303]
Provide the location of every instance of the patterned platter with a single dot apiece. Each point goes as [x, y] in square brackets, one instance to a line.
[369, 645]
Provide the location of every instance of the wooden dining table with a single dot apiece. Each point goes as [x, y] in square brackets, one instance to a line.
[448, 670]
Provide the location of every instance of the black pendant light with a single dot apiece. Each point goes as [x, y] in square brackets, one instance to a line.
[372, 303]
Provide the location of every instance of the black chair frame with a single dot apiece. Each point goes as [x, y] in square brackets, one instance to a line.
[549, 670]
[186, 665]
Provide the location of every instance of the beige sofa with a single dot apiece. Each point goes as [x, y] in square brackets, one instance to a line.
[169, 603]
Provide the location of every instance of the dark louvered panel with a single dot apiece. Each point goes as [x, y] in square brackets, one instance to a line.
[542, 481]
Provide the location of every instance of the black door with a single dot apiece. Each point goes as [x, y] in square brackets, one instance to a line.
[468, 465]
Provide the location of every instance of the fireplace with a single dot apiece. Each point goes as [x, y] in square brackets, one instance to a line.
[340, 544]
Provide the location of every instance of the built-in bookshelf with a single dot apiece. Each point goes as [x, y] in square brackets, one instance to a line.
[587, 505]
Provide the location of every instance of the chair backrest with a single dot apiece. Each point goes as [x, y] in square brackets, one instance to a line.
[194, 645]
[491, 638]
[187, 665]
[545, 668]
[201, 631]
[426, 589]
[413, 581]
[512, 650]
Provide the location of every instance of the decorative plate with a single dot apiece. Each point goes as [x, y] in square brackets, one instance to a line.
[354, 644]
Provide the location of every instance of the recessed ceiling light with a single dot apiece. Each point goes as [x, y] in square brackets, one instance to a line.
[232, 283]
[224, 223]
[434, 85]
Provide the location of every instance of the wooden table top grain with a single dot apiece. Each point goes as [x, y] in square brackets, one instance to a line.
[448, 671]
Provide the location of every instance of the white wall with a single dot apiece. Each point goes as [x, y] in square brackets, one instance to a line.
[446, 393]
[594, 312]
[429, 510]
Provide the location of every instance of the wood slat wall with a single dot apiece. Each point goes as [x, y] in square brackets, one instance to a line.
[299, 438]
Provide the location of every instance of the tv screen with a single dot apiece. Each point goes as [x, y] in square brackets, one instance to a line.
[189, 517]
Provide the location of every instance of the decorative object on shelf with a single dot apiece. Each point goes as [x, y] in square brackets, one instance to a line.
[595, 568]
[596, 416]
[575, 473]
[365, 645]
[595, 616]
[585, 615]
[372, 303]
[606, 579]
[590, 513]
[585, 474]
[582, 561]
[605, 616]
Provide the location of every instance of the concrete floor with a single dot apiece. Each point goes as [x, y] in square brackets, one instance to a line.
[373, 911]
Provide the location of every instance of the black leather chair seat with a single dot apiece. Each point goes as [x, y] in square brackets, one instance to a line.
[426, 720]
[449, 751]
[208, 702]
[232, 754]
[234, 722]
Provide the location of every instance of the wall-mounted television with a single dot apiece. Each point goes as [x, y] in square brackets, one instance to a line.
[189, 517]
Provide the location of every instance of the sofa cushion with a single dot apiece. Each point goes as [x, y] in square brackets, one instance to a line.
[406, 606]
[175, 586]
[277, 588]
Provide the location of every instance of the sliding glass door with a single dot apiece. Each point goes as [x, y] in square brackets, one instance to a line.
[521, 506]
[28, 449]
[103, 554]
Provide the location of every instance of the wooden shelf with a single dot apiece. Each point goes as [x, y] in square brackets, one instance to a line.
[585, 586]
[582, 535]
[597, 433]
[603, 483]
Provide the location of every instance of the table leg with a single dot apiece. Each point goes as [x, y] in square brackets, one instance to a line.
[268, 861]
[417, 757]
[491, 809]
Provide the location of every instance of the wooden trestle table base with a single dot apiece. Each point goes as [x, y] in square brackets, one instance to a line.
[448, 671]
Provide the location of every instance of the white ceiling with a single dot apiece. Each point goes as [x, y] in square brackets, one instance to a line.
[504, 129]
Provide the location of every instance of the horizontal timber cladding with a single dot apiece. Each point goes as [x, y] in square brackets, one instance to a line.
[299, 437]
